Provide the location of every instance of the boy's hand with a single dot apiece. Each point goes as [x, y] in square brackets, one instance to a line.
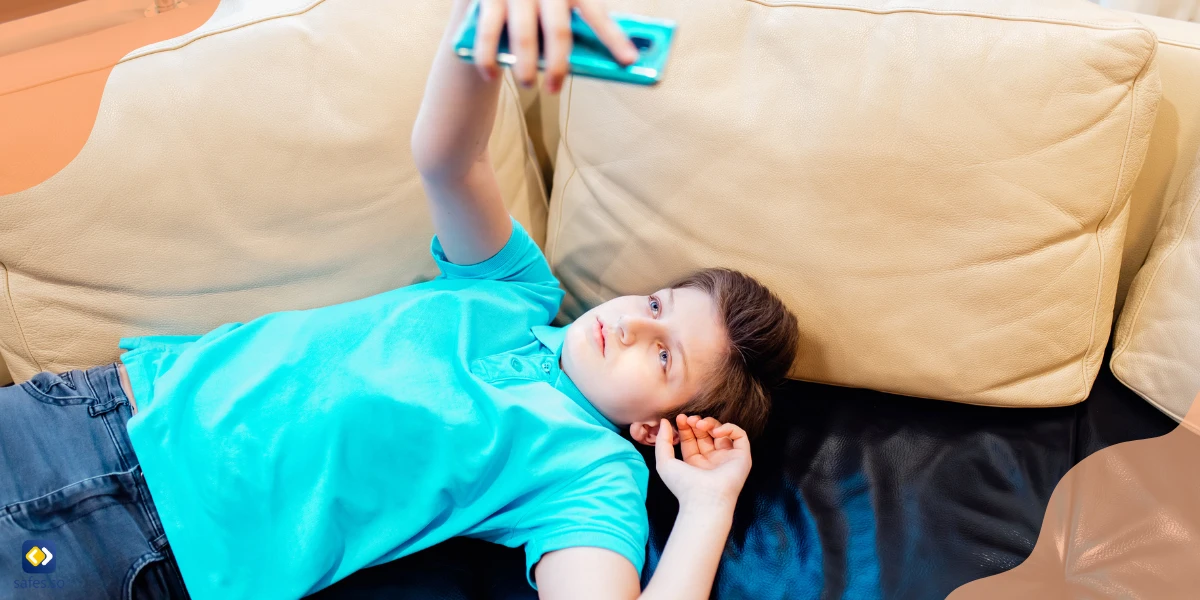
[716, 461]
[522, 17]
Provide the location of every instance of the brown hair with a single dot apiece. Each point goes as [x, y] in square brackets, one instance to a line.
[763, 338]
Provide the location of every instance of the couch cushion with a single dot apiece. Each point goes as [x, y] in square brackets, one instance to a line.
[259, 163]
[938, 189]
[1156, 348]
[1174, 142]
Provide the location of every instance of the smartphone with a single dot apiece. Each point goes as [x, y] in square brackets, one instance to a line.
[589, 56]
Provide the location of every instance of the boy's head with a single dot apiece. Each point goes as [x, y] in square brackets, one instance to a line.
[711, 344]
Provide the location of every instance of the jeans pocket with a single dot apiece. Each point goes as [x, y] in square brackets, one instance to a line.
[74, 501]
[53, 388]
[154, 577]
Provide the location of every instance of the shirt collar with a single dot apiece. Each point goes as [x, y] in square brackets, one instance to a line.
[552, 338]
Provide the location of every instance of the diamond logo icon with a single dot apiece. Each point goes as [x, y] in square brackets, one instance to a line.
[39, 556]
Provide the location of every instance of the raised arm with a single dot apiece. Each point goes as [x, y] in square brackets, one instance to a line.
[450, 137]
[449, 146]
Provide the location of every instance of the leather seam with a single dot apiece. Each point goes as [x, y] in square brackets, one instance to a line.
[1146, 397]
[136, 55]
[1133, 107]
[227, 29]
[1179, 43]
[563, 141]
[12, 310]
[1133, 26]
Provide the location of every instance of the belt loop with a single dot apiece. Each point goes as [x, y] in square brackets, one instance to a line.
[104, 385]
[81, 381]
[98, 408]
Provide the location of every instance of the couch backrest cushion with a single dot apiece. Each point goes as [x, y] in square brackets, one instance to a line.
[939, 189]
[260, 163]
[1174, 143]
[1156, 348]
[1158, 331]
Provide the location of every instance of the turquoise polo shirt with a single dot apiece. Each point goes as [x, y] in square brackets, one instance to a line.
[285, 453]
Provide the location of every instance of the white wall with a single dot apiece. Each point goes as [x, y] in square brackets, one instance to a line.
[1186, 10]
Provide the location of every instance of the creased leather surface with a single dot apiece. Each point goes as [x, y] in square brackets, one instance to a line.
[1157, 339]
[854, 494]
[1174, 142]
[1156, 348]
[259, 164]
[933, 187]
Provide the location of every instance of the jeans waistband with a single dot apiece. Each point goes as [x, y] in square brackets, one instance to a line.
[102, 383]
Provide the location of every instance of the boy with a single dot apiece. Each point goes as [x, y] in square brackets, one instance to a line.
[272, 458]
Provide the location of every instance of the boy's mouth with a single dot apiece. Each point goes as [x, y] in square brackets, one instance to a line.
[598, 330]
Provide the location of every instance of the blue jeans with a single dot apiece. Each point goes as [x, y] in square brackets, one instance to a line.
[71, 485]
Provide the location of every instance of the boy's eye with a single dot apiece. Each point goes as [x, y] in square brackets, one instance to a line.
[663, 357]
[654, 306]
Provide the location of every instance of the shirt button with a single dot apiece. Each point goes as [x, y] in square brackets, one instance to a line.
[546, 367]
[516, 364]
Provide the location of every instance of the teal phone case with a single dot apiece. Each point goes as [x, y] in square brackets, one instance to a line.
[589, 57]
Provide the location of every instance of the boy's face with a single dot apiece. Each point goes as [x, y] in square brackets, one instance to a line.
[635, 357]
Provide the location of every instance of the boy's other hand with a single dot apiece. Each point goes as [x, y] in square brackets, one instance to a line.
[716, 461]
[522, 17]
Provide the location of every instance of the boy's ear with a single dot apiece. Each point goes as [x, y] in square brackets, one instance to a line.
[645, 432]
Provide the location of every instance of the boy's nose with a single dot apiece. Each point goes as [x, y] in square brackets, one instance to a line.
[631, 327]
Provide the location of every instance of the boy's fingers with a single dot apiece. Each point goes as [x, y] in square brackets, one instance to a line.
[492, 14]
[608, 31]
[723, 443]
[687, 437]
[556, 34]
[723, 429]
[522, 38]
[703, 439]
[663, 450]
[738, 436]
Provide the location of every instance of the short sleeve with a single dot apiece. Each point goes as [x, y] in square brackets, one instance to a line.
[604, 508]
[520, 260]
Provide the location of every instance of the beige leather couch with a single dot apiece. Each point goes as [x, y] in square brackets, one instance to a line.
[955, 197]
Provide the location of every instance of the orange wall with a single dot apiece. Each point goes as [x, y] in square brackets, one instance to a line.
[15, 9]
